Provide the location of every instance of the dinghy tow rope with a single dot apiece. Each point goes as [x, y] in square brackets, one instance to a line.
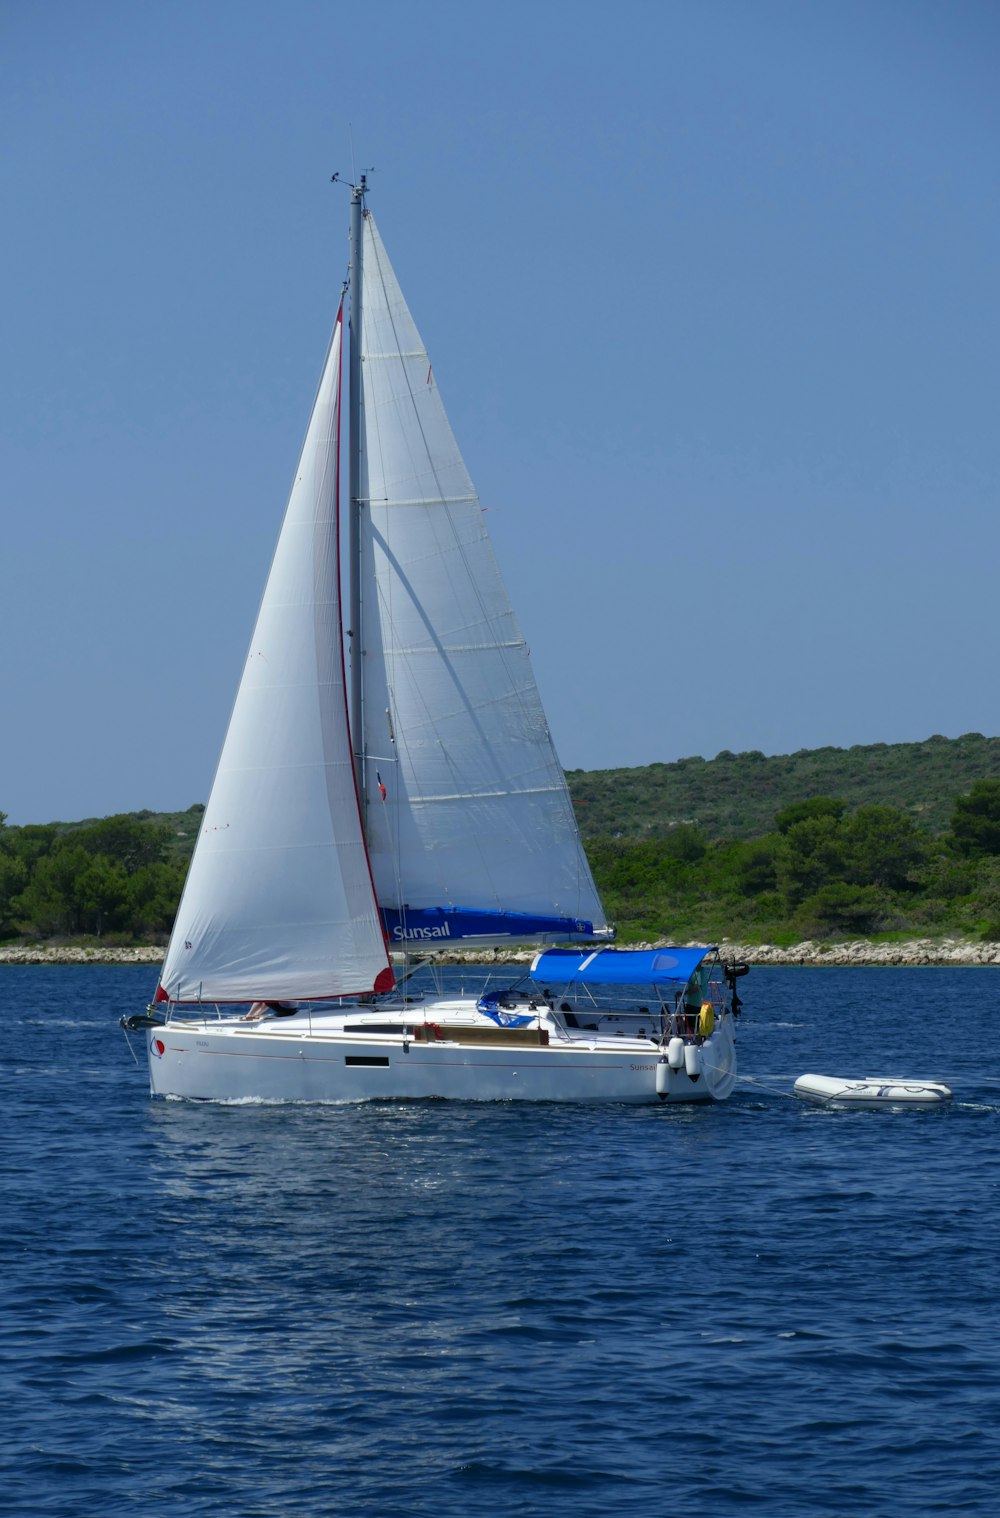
[751, 1080]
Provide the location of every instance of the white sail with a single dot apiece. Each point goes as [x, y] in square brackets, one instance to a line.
[477, 816]
[279, 902]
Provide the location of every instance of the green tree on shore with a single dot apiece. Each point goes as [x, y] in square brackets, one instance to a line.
[113, 876]
[975, 822]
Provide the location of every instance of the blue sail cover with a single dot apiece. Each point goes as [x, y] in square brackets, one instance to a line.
[619, 967]
[436, 925]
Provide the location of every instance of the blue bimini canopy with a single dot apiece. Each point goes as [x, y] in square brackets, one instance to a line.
[619, 967]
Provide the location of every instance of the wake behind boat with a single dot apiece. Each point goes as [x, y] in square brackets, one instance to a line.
[418, 806]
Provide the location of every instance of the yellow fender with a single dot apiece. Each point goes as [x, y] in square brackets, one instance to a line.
[706, 1019]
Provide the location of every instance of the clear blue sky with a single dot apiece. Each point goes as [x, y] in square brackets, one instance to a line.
[711, 294]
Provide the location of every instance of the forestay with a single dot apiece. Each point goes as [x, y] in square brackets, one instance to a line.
[476, 816]
[279, 901]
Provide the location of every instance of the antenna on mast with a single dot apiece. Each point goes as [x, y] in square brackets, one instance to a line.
[360, 188]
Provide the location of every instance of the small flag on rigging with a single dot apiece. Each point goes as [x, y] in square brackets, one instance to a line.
[381, 787]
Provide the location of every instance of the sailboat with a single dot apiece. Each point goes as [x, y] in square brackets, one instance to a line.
[402, 800]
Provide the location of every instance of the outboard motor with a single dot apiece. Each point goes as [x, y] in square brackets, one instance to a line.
[733, 969]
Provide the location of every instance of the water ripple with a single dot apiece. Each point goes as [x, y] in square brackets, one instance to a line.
[427, 1309]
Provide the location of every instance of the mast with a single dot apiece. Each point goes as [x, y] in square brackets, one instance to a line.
[354, 489]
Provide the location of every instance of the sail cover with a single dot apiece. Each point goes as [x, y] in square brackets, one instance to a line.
[279, 902]
[468, 811]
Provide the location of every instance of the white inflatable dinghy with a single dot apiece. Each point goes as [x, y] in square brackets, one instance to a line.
[872, 1091]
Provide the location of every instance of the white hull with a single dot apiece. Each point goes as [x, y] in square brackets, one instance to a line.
[871, 1091]
[311, 1058]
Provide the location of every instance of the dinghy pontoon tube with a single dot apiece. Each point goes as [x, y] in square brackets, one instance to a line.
[871, 1091]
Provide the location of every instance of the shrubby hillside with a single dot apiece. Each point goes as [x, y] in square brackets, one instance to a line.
[891, 839]
[823, 871]
[739, 795]
[885, 839]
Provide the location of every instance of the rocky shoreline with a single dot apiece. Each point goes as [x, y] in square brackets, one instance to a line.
[919, 951]
[40, 954]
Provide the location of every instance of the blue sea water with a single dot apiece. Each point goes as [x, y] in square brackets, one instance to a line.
[446, 1309]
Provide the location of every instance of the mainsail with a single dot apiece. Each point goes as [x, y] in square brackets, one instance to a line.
[469, 823]
[279, 902]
